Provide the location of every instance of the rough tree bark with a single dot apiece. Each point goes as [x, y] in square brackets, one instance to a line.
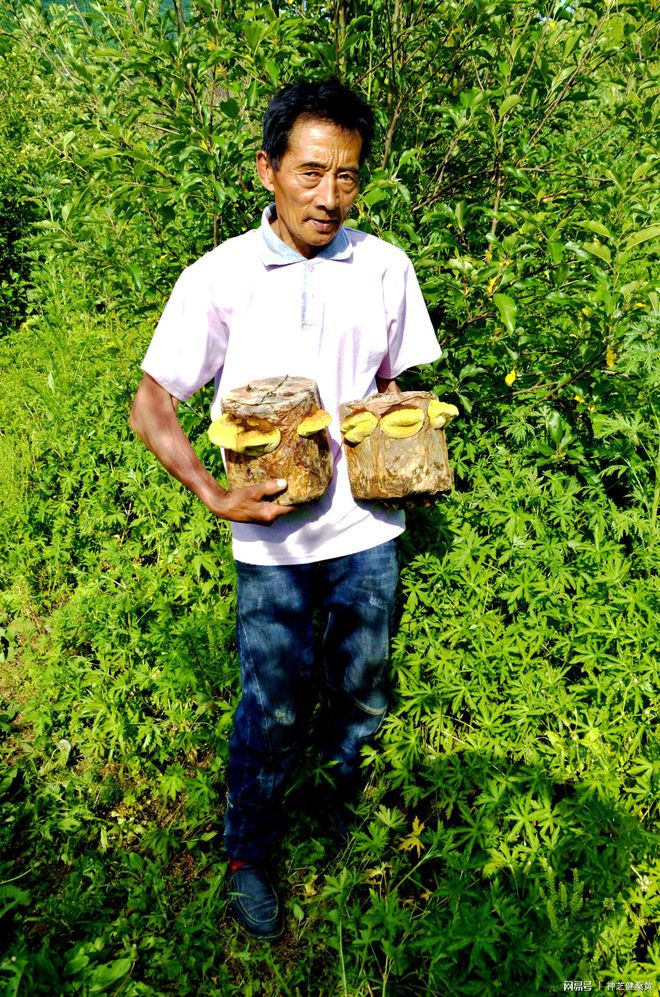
[281, 403]
[381, 467]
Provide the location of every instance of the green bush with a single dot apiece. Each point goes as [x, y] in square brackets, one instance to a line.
[514, 786]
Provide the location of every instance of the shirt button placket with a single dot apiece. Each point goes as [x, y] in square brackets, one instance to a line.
[310, 297]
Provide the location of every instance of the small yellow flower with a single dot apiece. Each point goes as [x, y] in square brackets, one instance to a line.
[510, 378]
[610, 357]
[580, 399]
[586, 312]
[492, 284]
[488, 256]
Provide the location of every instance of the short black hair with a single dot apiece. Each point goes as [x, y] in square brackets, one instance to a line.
[324, 100]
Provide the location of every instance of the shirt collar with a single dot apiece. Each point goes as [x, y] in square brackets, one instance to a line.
[275, 253]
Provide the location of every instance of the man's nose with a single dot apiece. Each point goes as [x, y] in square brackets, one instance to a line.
[327, 192]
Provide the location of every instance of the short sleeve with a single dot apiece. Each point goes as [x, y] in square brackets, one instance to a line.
[410, 334]
[190, 342]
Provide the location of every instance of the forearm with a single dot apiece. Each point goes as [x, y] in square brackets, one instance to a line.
[153, 418]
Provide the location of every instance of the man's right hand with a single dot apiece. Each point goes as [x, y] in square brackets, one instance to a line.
[253, 504]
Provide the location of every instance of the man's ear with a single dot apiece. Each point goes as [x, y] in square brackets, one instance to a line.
[265, 170]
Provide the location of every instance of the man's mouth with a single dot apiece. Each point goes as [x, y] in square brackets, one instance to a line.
[324, 225]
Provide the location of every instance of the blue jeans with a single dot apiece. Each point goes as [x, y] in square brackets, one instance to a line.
[353, 598]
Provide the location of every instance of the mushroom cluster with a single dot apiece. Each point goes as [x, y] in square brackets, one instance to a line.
[254, 437]
[399, 423]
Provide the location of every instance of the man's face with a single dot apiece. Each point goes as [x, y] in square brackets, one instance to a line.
[315, 185]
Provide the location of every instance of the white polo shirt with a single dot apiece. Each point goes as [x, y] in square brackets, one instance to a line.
[255, 308]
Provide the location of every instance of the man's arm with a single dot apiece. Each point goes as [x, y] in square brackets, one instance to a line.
[153, 418]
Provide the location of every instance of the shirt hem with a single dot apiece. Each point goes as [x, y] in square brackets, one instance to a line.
[355, 548]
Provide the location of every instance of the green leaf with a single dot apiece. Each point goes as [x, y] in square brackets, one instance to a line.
[12, 896]
[507, 308]
[10, 774]
[374, 196]
[598, 249]
[407, 156]
[229, 107]
[643, 170]
[105, 976]
[136, 275]
[252, 97]
[507, 104]
[555, 251]
[298, 912]
[389, 236]
[556, 426]
[598, 228]
[642, 235]
[77, 963]
[465, 401]
[172, 781]
[470, 370]
[578, 250]
[104, 153]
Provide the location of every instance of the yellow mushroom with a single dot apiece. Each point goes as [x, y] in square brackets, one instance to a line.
[223, 432]
[402, 423]
[313, 423]
[358, 426]
[231, 435]
[257, 442]
[441, 414]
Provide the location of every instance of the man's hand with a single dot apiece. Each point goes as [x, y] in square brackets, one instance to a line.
[252, 505]
[154, 419]
[387, 386]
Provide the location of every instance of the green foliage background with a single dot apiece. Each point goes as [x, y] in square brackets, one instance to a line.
[508, 840]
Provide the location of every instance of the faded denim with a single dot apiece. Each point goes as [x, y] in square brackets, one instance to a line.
[283, 663]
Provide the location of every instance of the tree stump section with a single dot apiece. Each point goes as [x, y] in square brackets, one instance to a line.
[380, 467]
[281, 403]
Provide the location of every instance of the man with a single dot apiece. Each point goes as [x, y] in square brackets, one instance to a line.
[304, 296]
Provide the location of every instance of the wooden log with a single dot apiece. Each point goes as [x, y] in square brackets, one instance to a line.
[381, 467]
[281, 403]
